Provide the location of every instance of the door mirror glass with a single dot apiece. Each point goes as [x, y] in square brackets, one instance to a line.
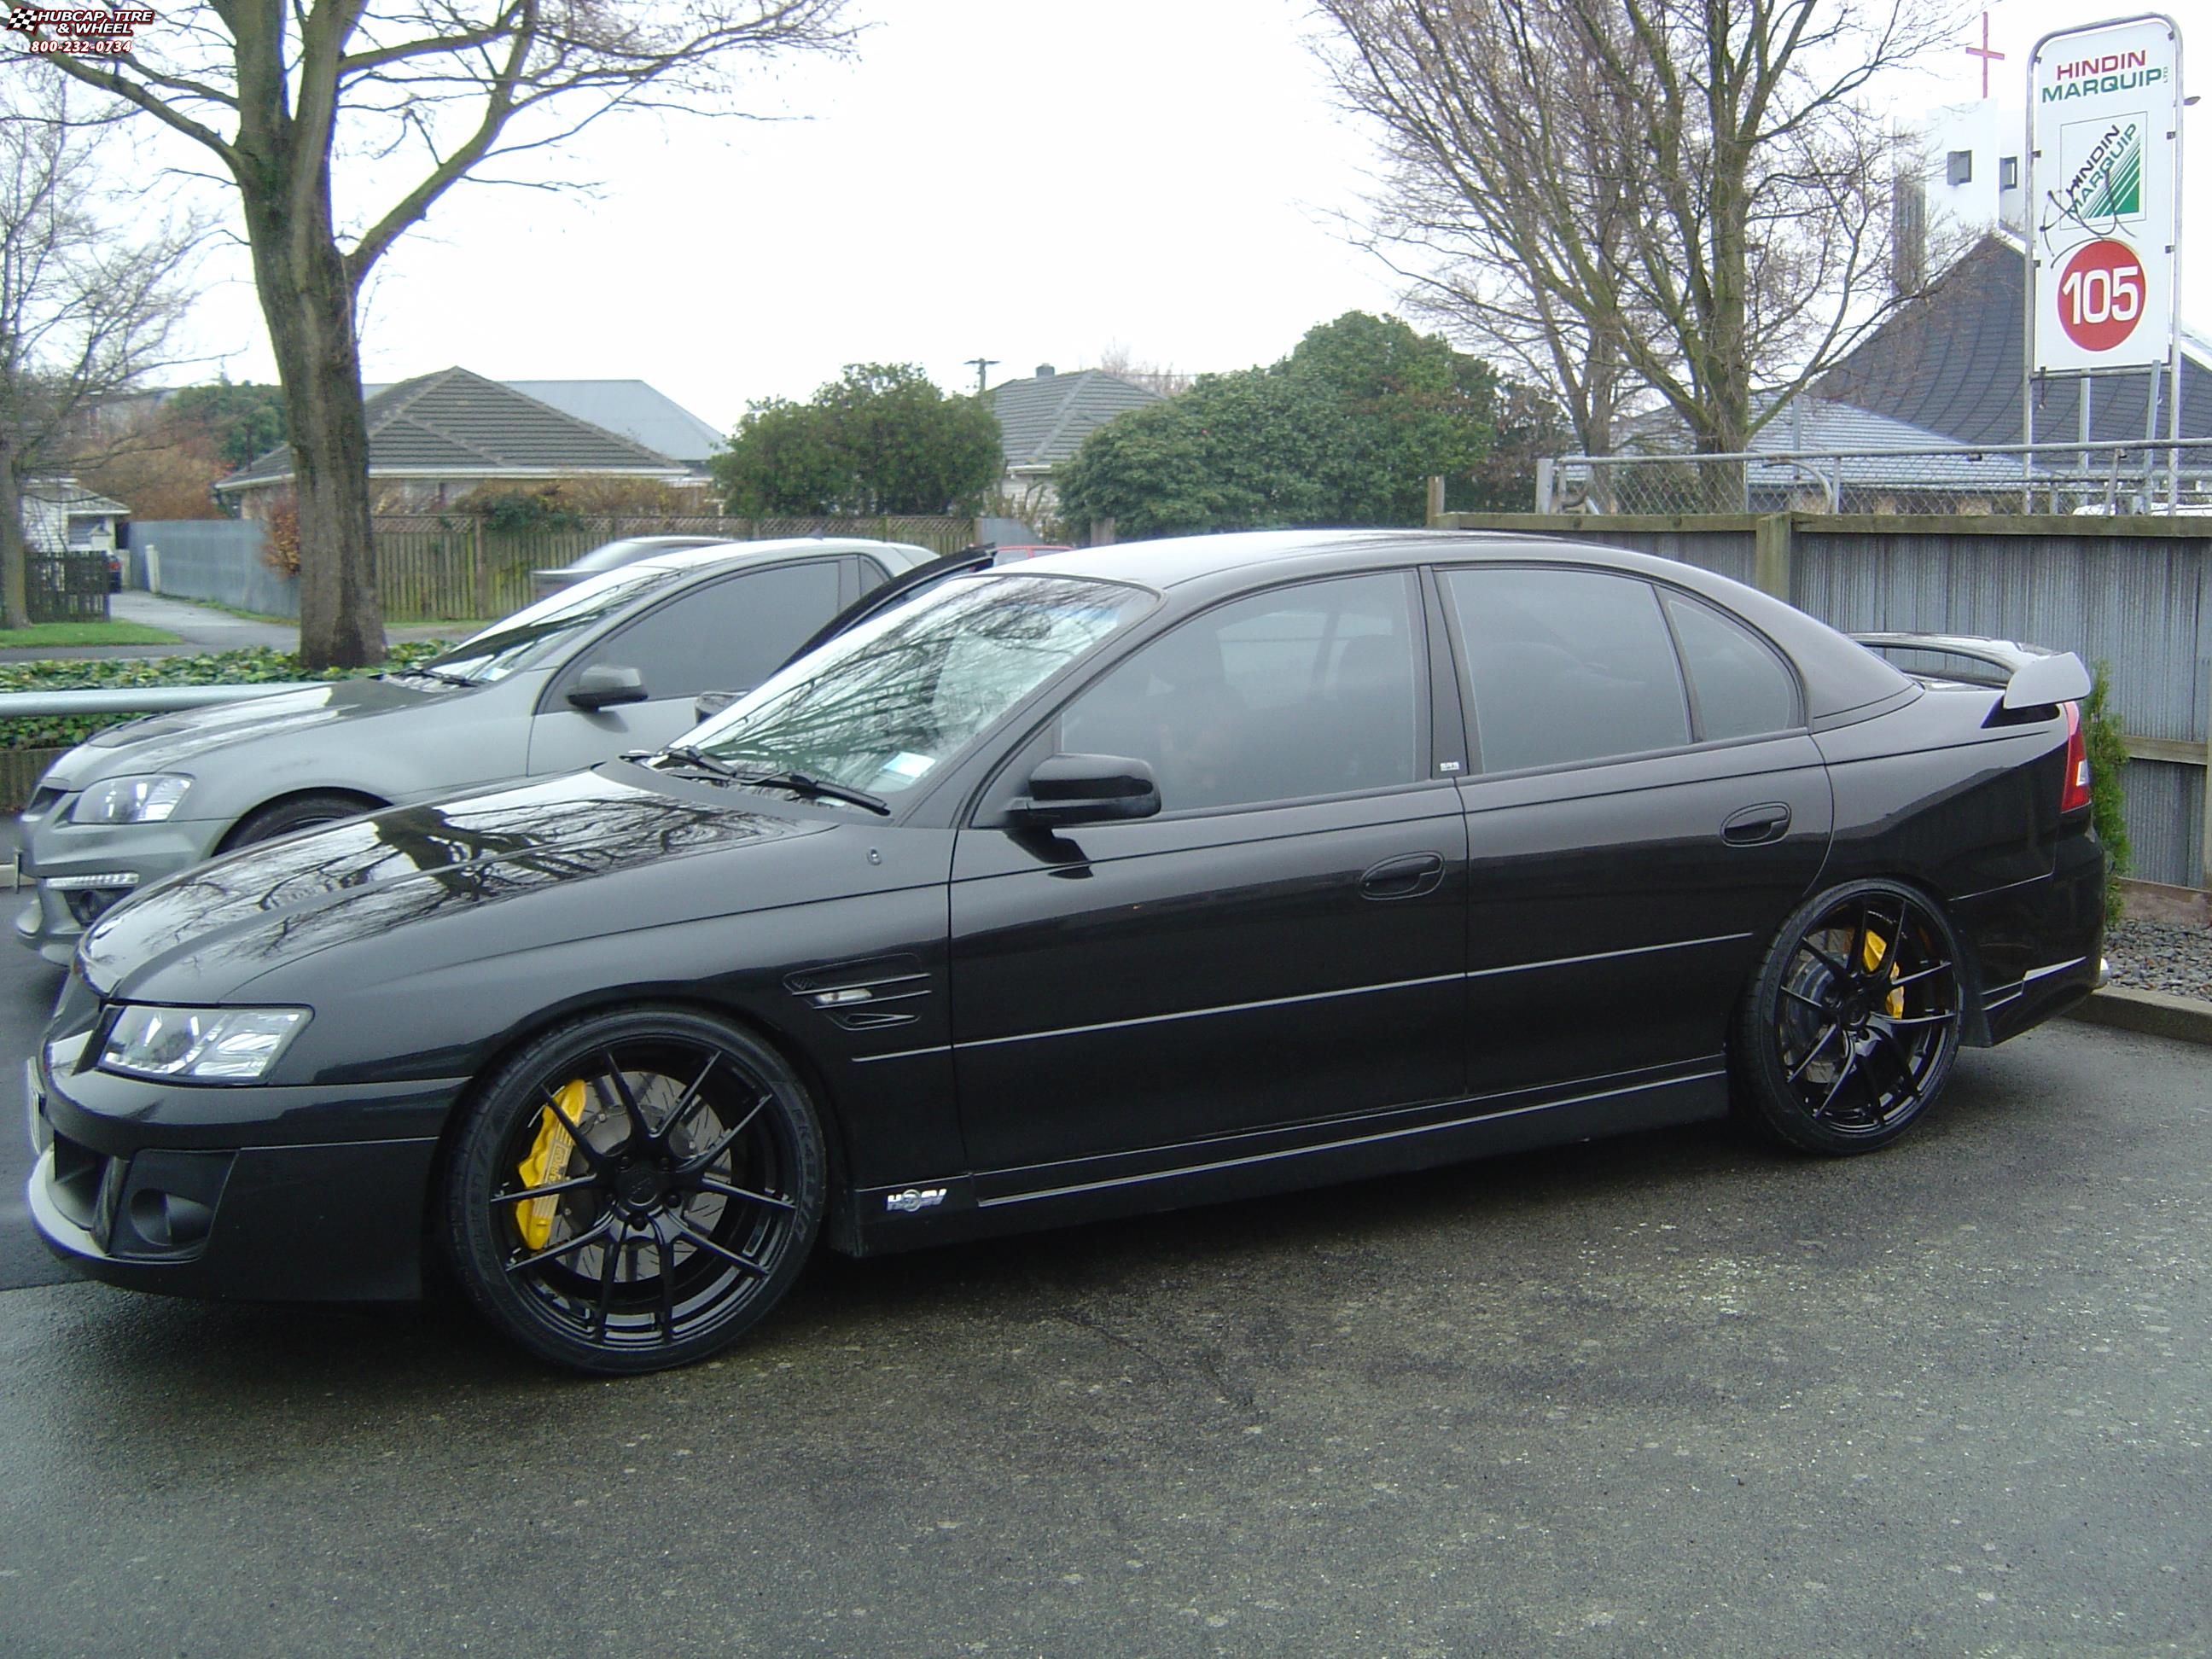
[1087, 789]
[604, 684]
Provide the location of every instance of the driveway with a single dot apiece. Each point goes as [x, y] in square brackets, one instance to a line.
[1672, 1394]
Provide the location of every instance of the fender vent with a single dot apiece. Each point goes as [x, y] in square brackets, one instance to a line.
[853, 993]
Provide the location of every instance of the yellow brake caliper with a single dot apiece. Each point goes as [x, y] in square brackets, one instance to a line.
[1876, 944]
[548, 1162]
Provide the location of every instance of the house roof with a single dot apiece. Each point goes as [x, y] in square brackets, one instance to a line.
[1041, 420]
[1951, 364]
[633, 409]
[68, 495]
[462, 425]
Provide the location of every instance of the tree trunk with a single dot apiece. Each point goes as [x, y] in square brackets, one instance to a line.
[306, 297]
[15, 554]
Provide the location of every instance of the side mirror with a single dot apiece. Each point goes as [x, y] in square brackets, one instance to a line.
[707, 704]
[604, 684]
[1087, 789]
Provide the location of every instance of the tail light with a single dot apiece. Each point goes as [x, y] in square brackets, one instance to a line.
[2074, 793]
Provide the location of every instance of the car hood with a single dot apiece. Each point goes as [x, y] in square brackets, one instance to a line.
[444, 882]
[166, 742]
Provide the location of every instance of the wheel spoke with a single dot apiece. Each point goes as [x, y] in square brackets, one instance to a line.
[687, 1103]
[663, 1245]
[1843, 1074]
[705, 1244]
[1919, 974]
[1879, 973]
[573, 1184]
[1837, 970]
[1813, 1052]
[610, 1258]
[1905, 1065]
[706, 1159]
[591, 1155]
[707, 1184]
[597, 1229]
[1797, 995]
[619, 1098]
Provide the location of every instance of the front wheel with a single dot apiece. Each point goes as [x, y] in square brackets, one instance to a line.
[634, 1191]
[1850, 1026]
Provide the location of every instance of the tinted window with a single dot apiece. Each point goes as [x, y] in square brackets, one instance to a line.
[1307, 691]
[1738, 686]
[1567, 665]
[728, 635]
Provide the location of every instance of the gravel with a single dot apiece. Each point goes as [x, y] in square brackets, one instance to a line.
[2150, 956]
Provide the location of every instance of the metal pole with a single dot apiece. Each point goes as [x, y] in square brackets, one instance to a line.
[2174, 358]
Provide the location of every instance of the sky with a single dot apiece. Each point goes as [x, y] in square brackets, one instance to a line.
[1028, 180]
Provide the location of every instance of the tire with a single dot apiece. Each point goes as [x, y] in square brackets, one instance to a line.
[299, 812]
[634, 1191]
[1850, 1028]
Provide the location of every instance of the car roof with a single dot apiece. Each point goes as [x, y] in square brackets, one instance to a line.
[1841, 676]
[719, 553]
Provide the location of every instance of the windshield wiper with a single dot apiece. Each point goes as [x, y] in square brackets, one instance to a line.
[814, 788]
[691, 755]
[421, 672]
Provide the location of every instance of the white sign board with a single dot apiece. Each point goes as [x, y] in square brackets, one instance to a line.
[2105, 127]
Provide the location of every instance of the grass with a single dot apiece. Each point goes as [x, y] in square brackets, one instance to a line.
[82, 633]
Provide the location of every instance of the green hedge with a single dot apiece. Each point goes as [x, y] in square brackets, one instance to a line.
[256, 667]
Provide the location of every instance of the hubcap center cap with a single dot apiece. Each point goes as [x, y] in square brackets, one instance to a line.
[639, 1186]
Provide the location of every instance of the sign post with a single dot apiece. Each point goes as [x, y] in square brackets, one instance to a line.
[2103, 173]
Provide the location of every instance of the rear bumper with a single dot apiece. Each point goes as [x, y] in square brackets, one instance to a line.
[2039, 947]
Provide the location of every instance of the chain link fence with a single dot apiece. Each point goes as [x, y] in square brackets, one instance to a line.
[2073, 477]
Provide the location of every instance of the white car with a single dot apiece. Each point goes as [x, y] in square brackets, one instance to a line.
[614, 663]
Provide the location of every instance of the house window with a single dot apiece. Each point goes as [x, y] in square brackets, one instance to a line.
[2009, 173]
[1959, 168]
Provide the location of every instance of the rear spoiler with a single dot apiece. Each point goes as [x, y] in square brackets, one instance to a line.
[2032, 677]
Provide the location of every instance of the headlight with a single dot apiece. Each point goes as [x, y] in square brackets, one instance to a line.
[207, 1045]
[146, 799]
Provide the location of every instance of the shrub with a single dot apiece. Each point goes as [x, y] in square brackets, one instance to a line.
[255, 667]
[2108, 757]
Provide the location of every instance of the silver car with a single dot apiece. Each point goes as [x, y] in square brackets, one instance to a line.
[616, 662]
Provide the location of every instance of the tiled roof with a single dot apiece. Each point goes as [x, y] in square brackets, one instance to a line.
[1042, 421]
[635, 410]
[461, 424]
[1951, 364]
[68, 495]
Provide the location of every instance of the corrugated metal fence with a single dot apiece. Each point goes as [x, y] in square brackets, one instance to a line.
[432, 567]
[2132, 593]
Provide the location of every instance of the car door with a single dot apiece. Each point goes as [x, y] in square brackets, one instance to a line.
[1282, 943]
[1635, 833]
[724, 634]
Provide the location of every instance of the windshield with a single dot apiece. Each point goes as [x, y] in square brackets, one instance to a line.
[880, 707]
[538, 631]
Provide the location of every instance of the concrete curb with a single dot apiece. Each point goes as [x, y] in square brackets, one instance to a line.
[2183, 1019]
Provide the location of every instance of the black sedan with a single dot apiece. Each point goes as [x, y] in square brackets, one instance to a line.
[1106, 881]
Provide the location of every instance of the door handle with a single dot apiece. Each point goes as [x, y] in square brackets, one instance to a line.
[1755, 826]
[1406, 876]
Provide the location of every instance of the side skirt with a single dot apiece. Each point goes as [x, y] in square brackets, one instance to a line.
[953, 1208]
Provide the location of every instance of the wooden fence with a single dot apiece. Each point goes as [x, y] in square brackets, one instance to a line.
[72, 588]
[437, 567]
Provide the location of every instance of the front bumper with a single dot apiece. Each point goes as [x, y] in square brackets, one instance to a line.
[102, 854]
[297, 1193]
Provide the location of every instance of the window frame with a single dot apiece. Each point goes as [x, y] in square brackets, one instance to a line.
[1009, 778]
[1662, 590]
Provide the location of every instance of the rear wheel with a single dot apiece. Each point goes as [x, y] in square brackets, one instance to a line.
[634, 1191]
[1853, 1023]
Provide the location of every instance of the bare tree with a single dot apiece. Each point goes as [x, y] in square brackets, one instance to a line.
[435, 90]
[87, 309]
[1117, 359]
[1682, 195]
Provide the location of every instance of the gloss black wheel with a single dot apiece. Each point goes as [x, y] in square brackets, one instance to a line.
[1852, 1023]
[300, 812]
[635, 1190]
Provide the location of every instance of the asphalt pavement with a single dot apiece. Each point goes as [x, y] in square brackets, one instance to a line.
[1672, 1394]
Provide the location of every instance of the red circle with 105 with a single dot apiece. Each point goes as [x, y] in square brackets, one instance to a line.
[2100, 295]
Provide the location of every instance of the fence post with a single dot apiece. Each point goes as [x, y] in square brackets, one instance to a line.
[1436, 500]
[479, 571]
[1770, 554]
[1544, 464]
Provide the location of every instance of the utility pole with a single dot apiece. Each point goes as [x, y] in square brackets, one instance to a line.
[981, 365]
